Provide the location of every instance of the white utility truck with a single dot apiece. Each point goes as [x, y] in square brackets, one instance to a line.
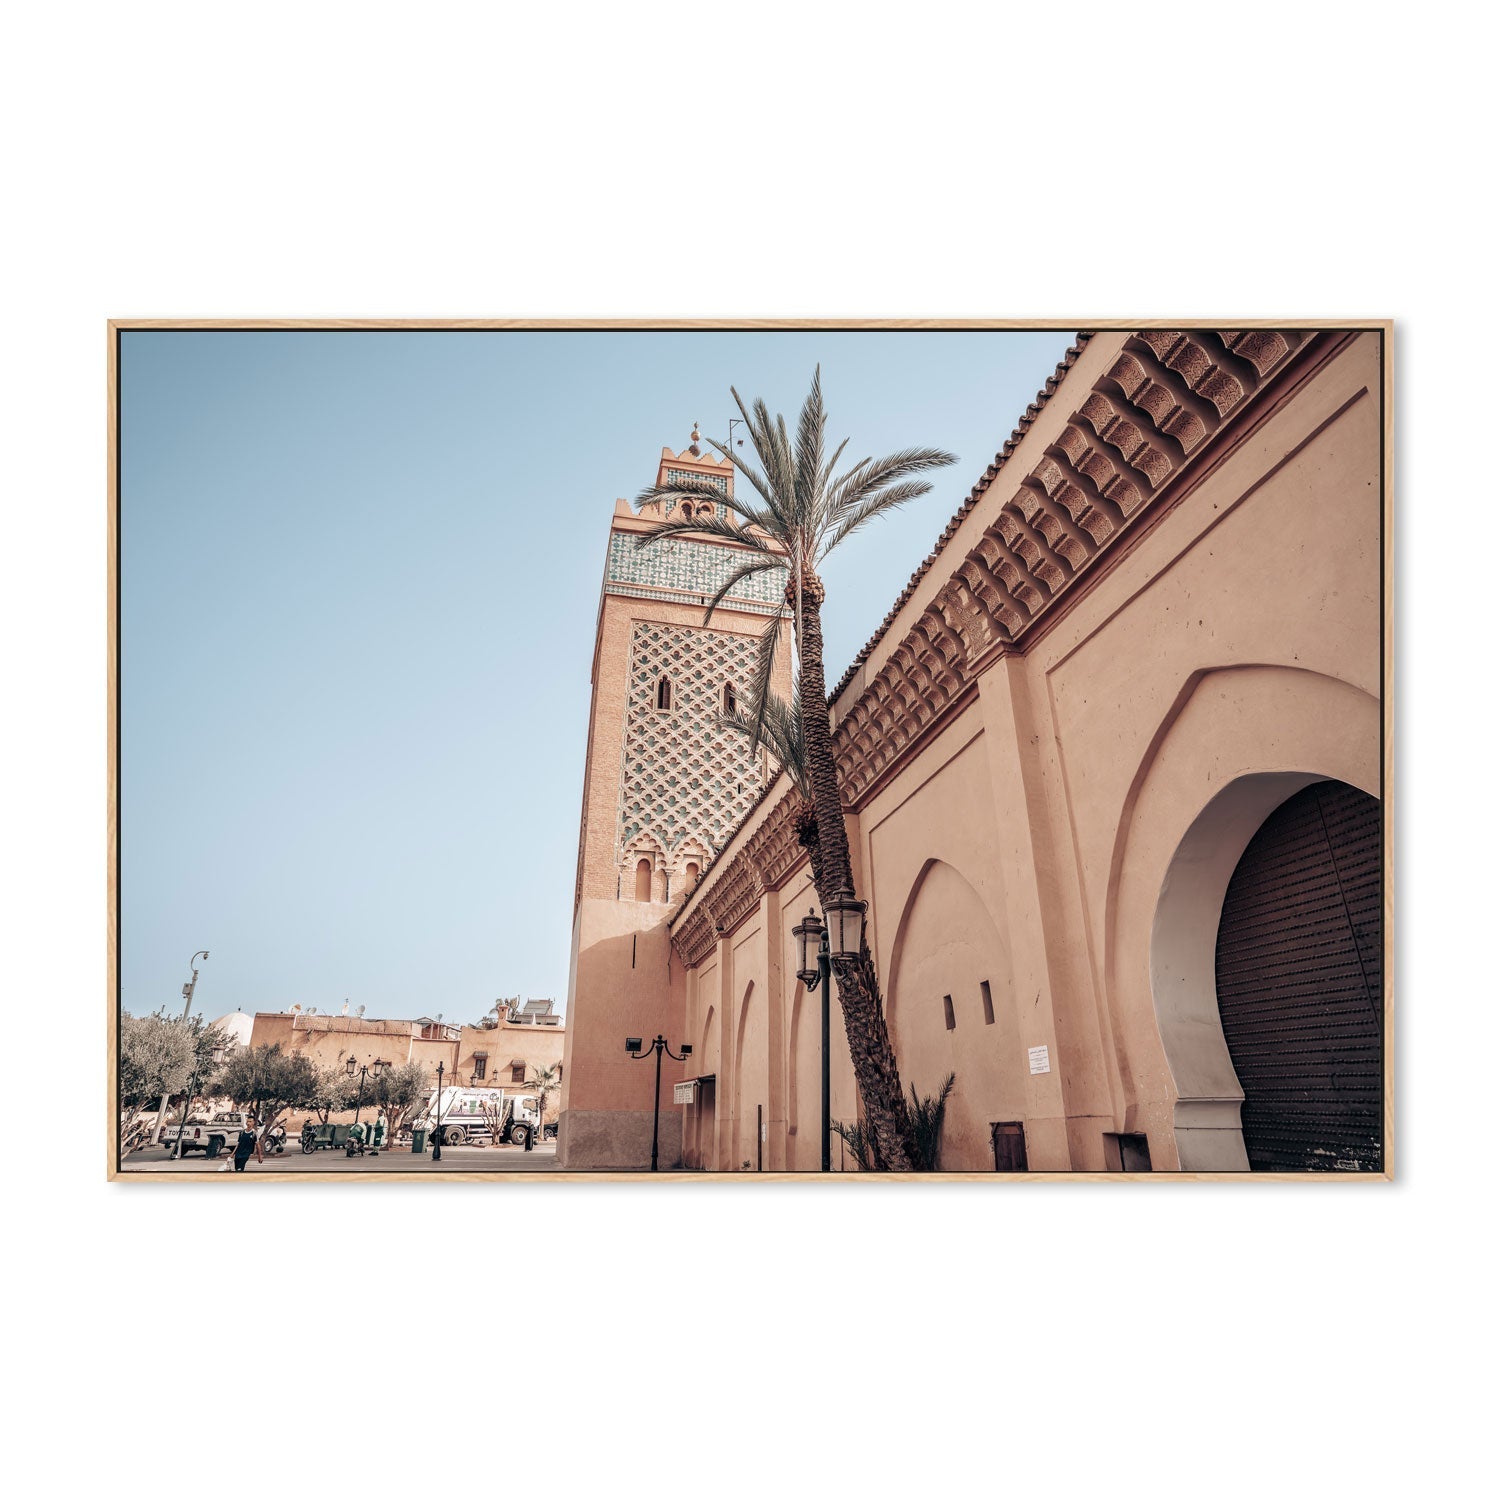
[465, 1115]
[220, 1132]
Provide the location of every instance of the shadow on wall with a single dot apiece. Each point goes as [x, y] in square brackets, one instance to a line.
[951, 1009]
[621, 989]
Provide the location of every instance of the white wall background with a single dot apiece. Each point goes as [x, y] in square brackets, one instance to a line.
[172, 159]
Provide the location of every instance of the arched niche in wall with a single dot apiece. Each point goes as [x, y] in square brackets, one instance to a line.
[805, 1075]
[950, 1008]
[744, 1128]
[1237, 744]
[707, 1050]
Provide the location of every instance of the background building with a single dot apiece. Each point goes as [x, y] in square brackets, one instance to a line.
[1112, 769]
[507, 1054]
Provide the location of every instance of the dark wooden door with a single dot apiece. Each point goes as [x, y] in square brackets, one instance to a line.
[1298, 968]
[1010, 1146]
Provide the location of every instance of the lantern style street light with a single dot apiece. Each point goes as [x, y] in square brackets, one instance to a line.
[846, 925]
[634, 1048]
[364, 1072]
[813, 967]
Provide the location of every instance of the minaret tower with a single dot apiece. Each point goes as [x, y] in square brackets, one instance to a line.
[664, 787]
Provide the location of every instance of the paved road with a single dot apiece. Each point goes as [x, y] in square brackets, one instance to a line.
[455, 1159]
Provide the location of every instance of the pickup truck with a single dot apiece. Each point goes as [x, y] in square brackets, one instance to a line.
[217, 1133]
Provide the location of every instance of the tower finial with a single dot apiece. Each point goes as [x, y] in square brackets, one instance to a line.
[693, 447]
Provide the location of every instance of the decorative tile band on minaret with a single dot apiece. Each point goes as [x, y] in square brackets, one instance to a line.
[691, 571]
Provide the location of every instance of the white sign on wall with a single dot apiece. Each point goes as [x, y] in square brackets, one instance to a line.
[1041, 1061]
[682, 1093]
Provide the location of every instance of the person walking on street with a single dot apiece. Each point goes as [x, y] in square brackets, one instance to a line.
[248, 1143]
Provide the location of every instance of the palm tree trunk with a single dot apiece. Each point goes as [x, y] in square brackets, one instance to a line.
[875, 1068]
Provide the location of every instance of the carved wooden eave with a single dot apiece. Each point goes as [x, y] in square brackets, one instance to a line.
[1132, 436]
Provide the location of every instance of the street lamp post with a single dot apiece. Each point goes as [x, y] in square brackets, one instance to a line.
[437, 1127]
[187, 995]
[815, 966]
[217, 1056]
[818, 944]
[634, 1048]
[192, 984]
[359, 1098]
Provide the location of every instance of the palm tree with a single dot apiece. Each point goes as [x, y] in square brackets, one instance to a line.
[927, 1116]
[544, 1081]
[802, 513]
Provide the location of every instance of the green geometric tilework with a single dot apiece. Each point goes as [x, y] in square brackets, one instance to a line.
[696, 568]
[676, 476]
[682, 773]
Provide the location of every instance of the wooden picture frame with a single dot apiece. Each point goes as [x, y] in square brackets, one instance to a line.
[1381, 393]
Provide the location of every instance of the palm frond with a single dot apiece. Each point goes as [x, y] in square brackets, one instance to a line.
[860, 1141]
[765, 666]
[832, 464]
[704, 526]
[768, 516]
[870, 475]
[781, 734]
[698, 490]
[760, 480]
[870, 507]
[689, 487]
[740, 574]
[773, 459]
[769, 434]
[809, 461]
[927, 1117]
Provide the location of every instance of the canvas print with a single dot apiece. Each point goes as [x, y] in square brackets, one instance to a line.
[826, 751]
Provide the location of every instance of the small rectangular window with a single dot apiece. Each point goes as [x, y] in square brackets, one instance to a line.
[479, 1065]
[989, 1004]
[518, 1072]
[948, 1012]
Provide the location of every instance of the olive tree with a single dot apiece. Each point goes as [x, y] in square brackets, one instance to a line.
[269, 1081]
[398, 1091]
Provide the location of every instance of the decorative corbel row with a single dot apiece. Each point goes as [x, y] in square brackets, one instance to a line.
[1163, 397]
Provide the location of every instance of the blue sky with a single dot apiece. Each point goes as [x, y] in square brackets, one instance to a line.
[360, 575]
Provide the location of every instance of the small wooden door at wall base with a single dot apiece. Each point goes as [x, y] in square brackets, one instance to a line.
[1010, 1146]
